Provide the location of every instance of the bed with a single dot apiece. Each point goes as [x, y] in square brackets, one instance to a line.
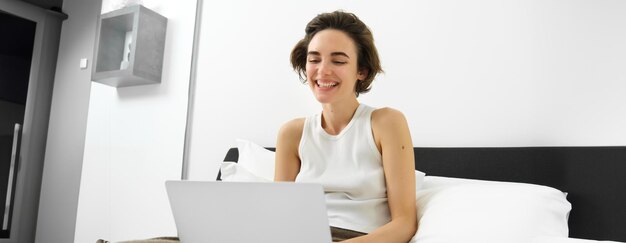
[594, 178]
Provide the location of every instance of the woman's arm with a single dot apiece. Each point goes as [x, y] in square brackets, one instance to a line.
[393, 138]
[287, 159]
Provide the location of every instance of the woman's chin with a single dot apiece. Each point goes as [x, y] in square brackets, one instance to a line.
[323, 99]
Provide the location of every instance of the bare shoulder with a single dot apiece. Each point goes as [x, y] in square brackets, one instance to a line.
[387, 117]
[289, 135]
[390, 126]
[292, 128]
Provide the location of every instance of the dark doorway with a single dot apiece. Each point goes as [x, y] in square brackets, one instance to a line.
[16, 51]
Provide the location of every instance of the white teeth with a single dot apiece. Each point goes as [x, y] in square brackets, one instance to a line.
[326, 85]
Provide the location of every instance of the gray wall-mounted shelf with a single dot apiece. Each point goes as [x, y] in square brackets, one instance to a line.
[129, 47]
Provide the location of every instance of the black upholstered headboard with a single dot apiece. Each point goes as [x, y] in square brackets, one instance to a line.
[593, 177]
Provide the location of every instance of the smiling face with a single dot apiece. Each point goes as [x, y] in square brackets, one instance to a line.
[331, 66]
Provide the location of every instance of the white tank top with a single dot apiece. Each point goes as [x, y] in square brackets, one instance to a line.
[349, 167]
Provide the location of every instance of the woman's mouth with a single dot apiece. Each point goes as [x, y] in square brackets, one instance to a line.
[326, 84]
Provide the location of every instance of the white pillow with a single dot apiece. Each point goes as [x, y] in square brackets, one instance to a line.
[419, 180]
[463, 210]
[232, 171]
[256, 159]
[439, 181]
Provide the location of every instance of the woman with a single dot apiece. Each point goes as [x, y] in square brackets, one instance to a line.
[362, 156]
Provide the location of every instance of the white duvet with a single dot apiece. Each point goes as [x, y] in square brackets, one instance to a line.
[550, 239]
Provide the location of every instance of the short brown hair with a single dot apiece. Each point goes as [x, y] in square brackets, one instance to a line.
[367, 54]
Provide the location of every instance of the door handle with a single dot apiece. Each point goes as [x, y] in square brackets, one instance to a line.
[15, 156]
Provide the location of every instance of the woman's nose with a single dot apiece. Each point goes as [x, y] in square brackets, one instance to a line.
[324, 68]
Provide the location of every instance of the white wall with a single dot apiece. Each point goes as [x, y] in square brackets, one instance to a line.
[465, 73]
[134, 142]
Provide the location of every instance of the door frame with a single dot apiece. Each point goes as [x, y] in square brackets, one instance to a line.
[36, 116]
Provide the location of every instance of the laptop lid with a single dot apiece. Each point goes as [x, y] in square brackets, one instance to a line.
[236, 212]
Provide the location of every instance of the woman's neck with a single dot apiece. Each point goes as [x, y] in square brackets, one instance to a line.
[335, 117]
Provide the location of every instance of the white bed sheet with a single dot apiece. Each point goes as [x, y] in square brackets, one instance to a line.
[488, 239]
[549, 239]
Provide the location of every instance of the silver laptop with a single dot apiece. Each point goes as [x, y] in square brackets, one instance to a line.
[244, 212]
